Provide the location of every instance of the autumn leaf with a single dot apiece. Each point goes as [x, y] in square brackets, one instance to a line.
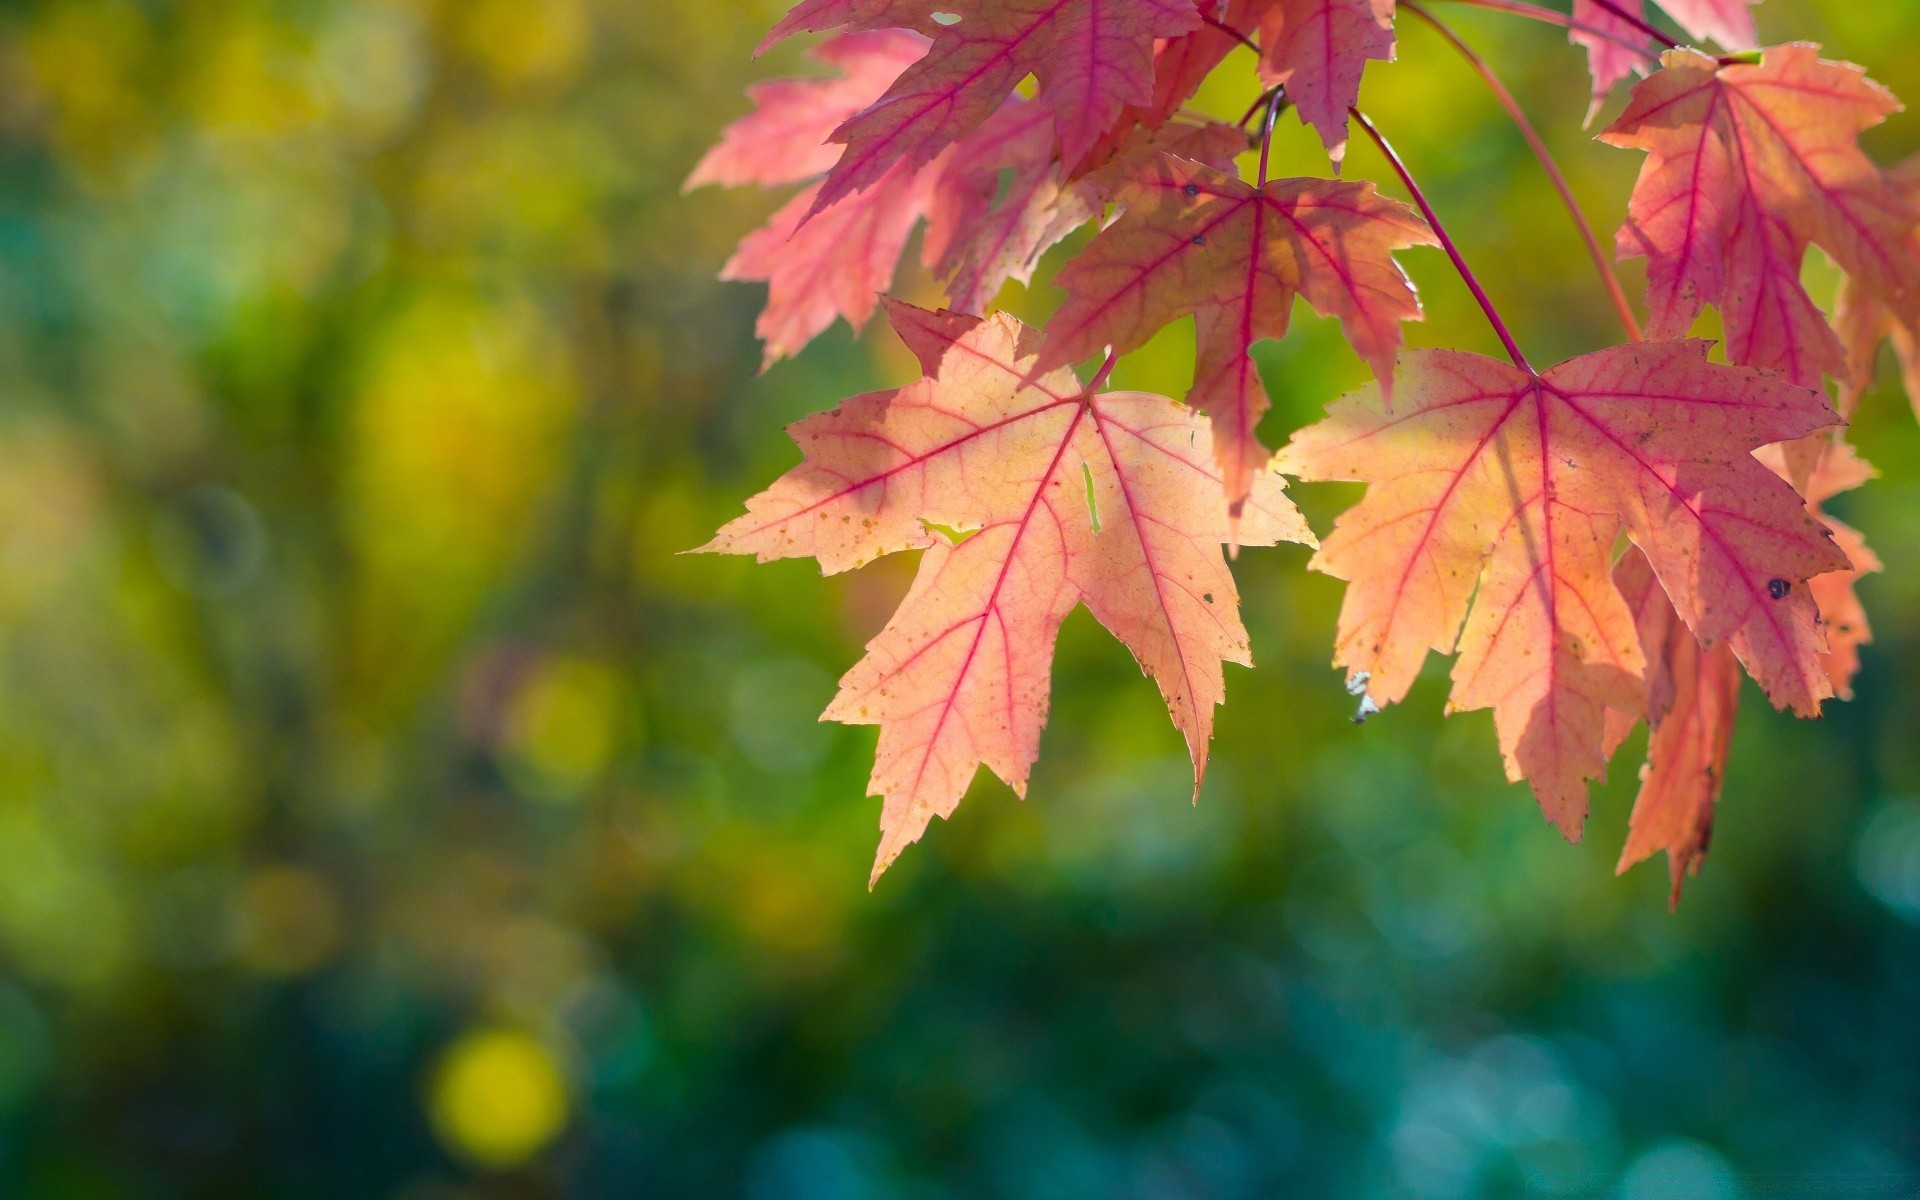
[1091, 58]
[1610, 53]
[928, 333]
[1748, 163]
[1004, 200]
[1317, 50]
[784, 139]
[1496, 500]
[1182, 64]
[1692, 695]
[1838, 468]
[1611, 56]
[1863, 322]
[1728, 22]
[1611, 59]
[994, 202]
[832, 263]
[818, 16]
[1194, 240]
[1065, 498]
[1693, 700]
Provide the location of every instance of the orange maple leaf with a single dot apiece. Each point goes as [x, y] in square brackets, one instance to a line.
[1748, 163]
[1692, 695]
[1067, 497]
[1497, 497]
[1194, 240]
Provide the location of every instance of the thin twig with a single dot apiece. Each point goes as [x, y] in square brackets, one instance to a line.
[1265, 98]
[1266, 135]
[1104, 374]
[1638, 22]
[1446, 242]
[1601, 263]
[1534, 12]
[1233, 33]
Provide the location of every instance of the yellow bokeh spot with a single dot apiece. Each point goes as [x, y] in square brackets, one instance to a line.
[528, 41]
[497, 1098]
[458, 429]
[565, 724]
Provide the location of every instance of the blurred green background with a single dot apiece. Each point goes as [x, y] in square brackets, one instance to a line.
[386, 809]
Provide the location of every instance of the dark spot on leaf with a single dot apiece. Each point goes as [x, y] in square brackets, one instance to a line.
[1192, 189]
[1199, 239]
[1778, 588]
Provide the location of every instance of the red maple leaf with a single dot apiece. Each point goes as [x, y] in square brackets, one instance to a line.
[1066, 497]
[1091, 58]
[1747, 164]
[1864, 322]
[1611, 53]
[1317, 50]
[823, 263]
[1194, 240]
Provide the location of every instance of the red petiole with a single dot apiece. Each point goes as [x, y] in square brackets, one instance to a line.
[1446, 242]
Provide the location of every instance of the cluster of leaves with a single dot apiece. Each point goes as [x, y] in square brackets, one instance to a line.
[1609, 541]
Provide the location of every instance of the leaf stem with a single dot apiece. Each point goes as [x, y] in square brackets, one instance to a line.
[1608, 277]
[1266, 134]
[1265, 98]
[1231, 32]
[1446, 242]
[1520, 8]
[1104, 374]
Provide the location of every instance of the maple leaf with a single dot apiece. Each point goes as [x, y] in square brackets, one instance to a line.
[1611, 56]
[1728, 22]
[1496, 500]
[1748, 163]
[818, 16]
[1182, 64]
[1692, 695]
[1003, 199]
[1837, 468]
[784, 139]
[1068, 498]
[1608, 60]
[823, 263]
[835, 262]
[1194, 240]
[1693, 699]
[1863, 322]
[1091, 57]
[1317, 50]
